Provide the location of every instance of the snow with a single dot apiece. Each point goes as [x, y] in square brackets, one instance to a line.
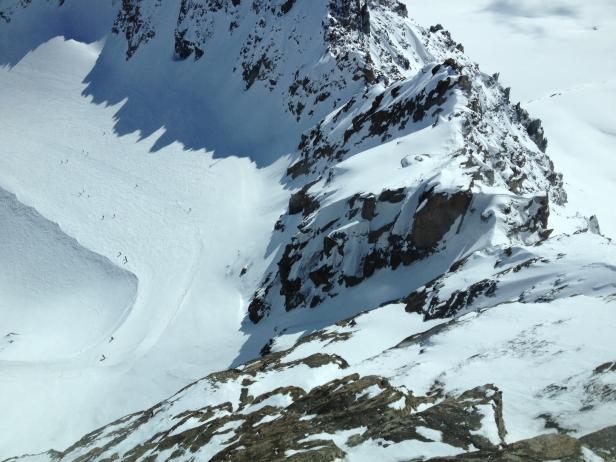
[399, 405]
[173, 308]
[267, 418]
[47, 281]
[522, 349]
[370, 392]
[388, 452]
[557, 57]
[429, 433]
[376, 330]
[123, 233]
[379, 168]
[489, 430]
[281, 400]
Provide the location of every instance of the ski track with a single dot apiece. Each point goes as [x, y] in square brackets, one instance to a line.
[168, 212]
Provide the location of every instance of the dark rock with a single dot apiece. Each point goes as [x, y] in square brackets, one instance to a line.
[392, 196]
[605, 367]
[368, 207]
[602, 442]
[415, 302]
[136, 28]
[322, 276]
[302, 201]
[286, 6]
[255, 71]
[459, 300]
[542, 448]
[257, 309]
[267, 348]
[435, 216]
[364, 16]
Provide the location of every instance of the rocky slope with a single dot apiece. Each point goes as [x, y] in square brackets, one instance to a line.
[419, 196]
[306, 403]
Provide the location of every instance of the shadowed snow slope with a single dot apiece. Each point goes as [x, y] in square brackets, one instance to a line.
[181, 222]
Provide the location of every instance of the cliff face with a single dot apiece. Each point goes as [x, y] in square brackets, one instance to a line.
[497, 177]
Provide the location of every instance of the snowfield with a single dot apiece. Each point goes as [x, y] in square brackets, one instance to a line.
[294, 229]
[160, 299]
[49, 279]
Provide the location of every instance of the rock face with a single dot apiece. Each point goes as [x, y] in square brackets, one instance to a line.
[343, 243]
[135, 24]
[435, 216]
[541, 448]
[349, 31]
[600, 444]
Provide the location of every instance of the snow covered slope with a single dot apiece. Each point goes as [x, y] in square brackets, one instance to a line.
[557, 58]
[326, 202]
[181, 222]
[61, 281]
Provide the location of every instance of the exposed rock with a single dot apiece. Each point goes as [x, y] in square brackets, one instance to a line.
[260, 431]
[134, 21]
[459, 300]
[286, 6]
[602, 442]
[257, 309]
[435, 215]
[539, 449]
[303, 202]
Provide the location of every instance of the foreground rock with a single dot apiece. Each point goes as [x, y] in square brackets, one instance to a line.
[319, 407]
[600, 445]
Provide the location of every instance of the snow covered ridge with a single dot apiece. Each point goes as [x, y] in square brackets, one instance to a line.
[384, 78]
[282, 66]
[308, 403]
[491, 179]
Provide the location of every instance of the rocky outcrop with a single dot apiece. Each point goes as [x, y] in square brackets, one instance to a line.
[600, 446]
[291, 423]
[343, 244]
[384, 233]
[135, 23]
[435, 216]
[389, 113]
[602, 442]
[252, 413]
[538, 449]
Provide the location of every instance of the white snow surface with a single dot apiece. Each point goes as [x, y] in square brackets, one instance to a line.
[48, 279]
[557, 56]
[111, 251]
